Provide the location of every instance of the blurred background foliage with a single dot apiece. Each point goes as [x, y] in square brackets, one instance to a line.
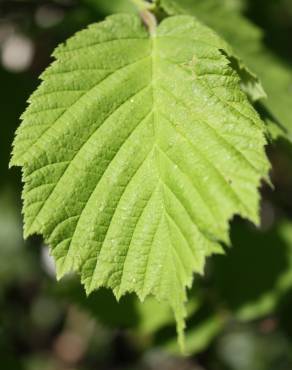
[239, 312]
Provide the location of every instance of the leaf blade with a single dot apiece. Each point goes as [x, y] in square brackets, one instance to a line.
[132, 172]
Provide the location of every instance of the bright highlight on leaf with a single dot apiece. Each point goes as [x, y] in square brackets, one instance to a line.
[136, 152]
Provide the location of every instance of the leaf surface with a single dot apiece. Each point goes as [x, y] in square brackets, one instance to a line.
[236, 31]
[246, 40]
[136, 152]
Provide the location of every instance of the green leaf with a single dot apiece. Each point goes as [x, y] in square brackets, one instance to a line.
[246, 39]
[214, 13]
[136, 151]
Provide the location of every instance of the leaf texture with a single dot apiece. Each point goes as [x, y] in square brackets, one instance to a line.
[136, 151]
[237, 31]
[246, 40]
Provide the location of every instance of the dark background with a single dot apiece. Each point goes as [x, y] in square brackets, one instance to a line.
[240, 312]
